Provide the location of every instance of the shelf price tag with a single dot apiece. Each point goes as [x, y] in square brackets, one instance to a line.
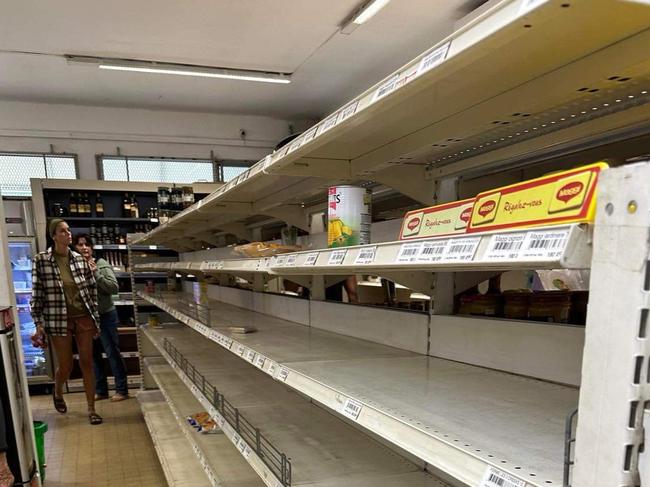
[241, 349]
[250, 356]
[409, 252]
[348, 111]
[311, 258]
[461, 249]
[386, 88]
[337, 257]
[295, 145]
[493, 477]
[327, 124]
[434, 58]
[283, 374]
[291, 260]
[281, 260]
[504, 246]
[366, 256]
[545, 244]
[309, 135]
[121, 247]
[272, 369]
[432, 251]
[259, 362]
[352, 408]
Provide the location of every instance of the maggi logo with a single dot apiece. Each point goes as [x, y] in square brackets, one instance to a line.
[413, 223]
[487, 208]
[569, 191]
[466, 214]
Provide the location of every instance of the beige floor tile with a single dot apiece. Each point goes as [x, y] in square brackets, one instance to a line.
[118, 452]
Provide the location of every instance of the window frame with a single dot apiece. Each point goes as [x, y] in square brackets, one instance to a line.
[217, 164]
[43, 156]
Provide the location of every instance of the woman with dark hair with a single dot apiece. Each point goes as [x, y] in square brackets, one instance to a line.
[108, 324]
[64, 305]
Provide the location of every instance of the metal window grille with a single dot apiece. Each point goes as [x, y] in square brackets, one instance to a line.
[17, 169]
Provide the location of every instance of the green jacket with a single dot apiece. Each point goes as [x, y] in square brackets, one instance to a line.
[106, 286]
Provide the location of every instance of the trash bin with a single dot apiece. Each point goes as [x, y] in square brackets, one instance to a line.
[40, 428]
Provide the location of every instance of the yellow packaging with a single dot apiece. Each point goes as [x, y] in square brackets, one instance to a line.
[565, 197]
[437, 221]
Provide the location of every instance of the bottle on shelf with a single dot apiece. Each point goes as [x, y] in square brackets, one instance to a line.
[87, 207]
[93, 232]
[135, 209]
[126, 206]
[99, 206]
[116, 234]
[188, 196]
[73, 205]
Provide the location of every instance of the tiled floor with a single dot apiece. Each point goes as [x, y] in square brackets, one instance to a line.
[116, 453]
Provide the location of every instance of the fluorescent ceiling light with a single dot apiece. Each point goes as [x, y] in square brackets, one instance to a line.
[181, 69]
[368, 11]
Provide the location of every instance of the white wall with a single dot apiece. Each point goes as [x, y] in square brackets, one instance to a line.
[87, 131]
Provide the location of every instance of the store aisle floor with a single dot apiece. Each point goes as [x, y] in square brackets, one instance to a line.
[118, 452]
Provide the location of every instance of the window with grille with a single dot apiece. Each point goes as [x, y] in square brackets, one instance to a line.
[17, 169]
[169, 170]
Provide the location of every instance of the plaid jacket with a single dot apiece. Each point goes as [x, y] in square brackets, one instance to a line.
[48, 300]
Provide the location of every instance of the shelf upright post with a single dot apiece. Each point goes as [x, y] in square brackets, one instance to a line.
[615, 386]
[442, 297]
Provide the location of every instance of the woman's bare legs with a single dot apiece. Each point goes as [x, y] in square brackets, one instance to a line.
[62, 346]
[85, 345]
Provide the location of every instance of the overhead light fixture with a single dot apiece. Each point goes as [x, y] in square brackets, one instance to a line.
[363, 14]
[154, 67]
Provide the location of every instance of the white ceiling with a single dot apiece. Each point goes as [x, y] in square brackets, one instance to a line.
[298, 36]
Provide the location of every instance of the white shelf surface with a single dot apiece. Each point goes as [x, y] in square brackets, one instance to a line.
[558, 77]
[179, 463]
[217, 456]
[552, 247]
[323, 450]
[460, 418]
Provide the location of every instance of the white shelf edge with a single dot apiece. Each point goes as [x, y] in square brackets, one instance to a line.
[443, 453]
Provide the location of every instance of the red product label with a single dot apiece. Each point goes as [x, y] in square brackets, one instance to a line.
[487, 208]
[413, 223]
[569, 191]
[466, 214]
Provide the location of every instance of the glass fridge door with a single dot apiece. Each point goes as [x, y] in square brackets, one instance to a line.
[20, 254]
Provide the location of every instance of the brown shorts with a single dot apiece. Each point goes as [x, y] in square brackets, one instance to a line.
[81, 324]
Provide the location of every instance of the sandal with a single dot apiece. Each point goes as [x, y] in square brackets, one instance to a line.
[59, 404]
[95, 418]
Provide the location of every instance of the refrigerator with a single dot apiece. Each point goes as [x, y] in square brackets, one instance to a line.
[14, 392]
[19, 226]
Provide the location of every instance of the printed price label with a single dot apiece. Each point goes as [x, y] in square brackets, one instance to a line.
[295, 145]
[272, 369]
[461, 249]
[311, 258]
[409, 252]
[545, 244]
[366, 256]
[247, 452]
[283, 374]
[352, 408]
[259, 362]
[337, 257]
[241, 349]
[153, 247]
[432, 251]
[386, 88]
[220, 420]
[241, 446]
[236, 438]
[250, 356]
[121, 247]
[309, 136]
[328, 124]
[348, 111]
[434, 58]
[494, 477]
[504, 246]
[291, 260]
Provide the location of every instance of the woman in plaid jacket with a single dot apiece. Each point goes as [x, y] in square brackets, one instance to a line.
[64, 305]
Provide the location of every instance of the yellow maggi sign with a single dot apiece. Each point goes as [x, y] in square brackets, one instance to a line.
[437, 221]
[565, 197]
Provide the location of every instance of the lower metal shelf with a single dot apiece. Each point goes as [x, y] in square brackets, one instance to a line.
[180, 465]
[324, 451]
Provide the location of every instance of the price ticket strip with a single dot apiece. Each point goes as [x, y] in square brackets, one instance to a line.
[323, 449]
[180, 465]
[211, 450]
[433, 408]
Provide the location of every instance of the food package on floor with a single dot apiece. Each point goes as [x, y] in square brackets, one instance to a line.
[209, 427]
[197, 419]
[242, 329]
[263, 249]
